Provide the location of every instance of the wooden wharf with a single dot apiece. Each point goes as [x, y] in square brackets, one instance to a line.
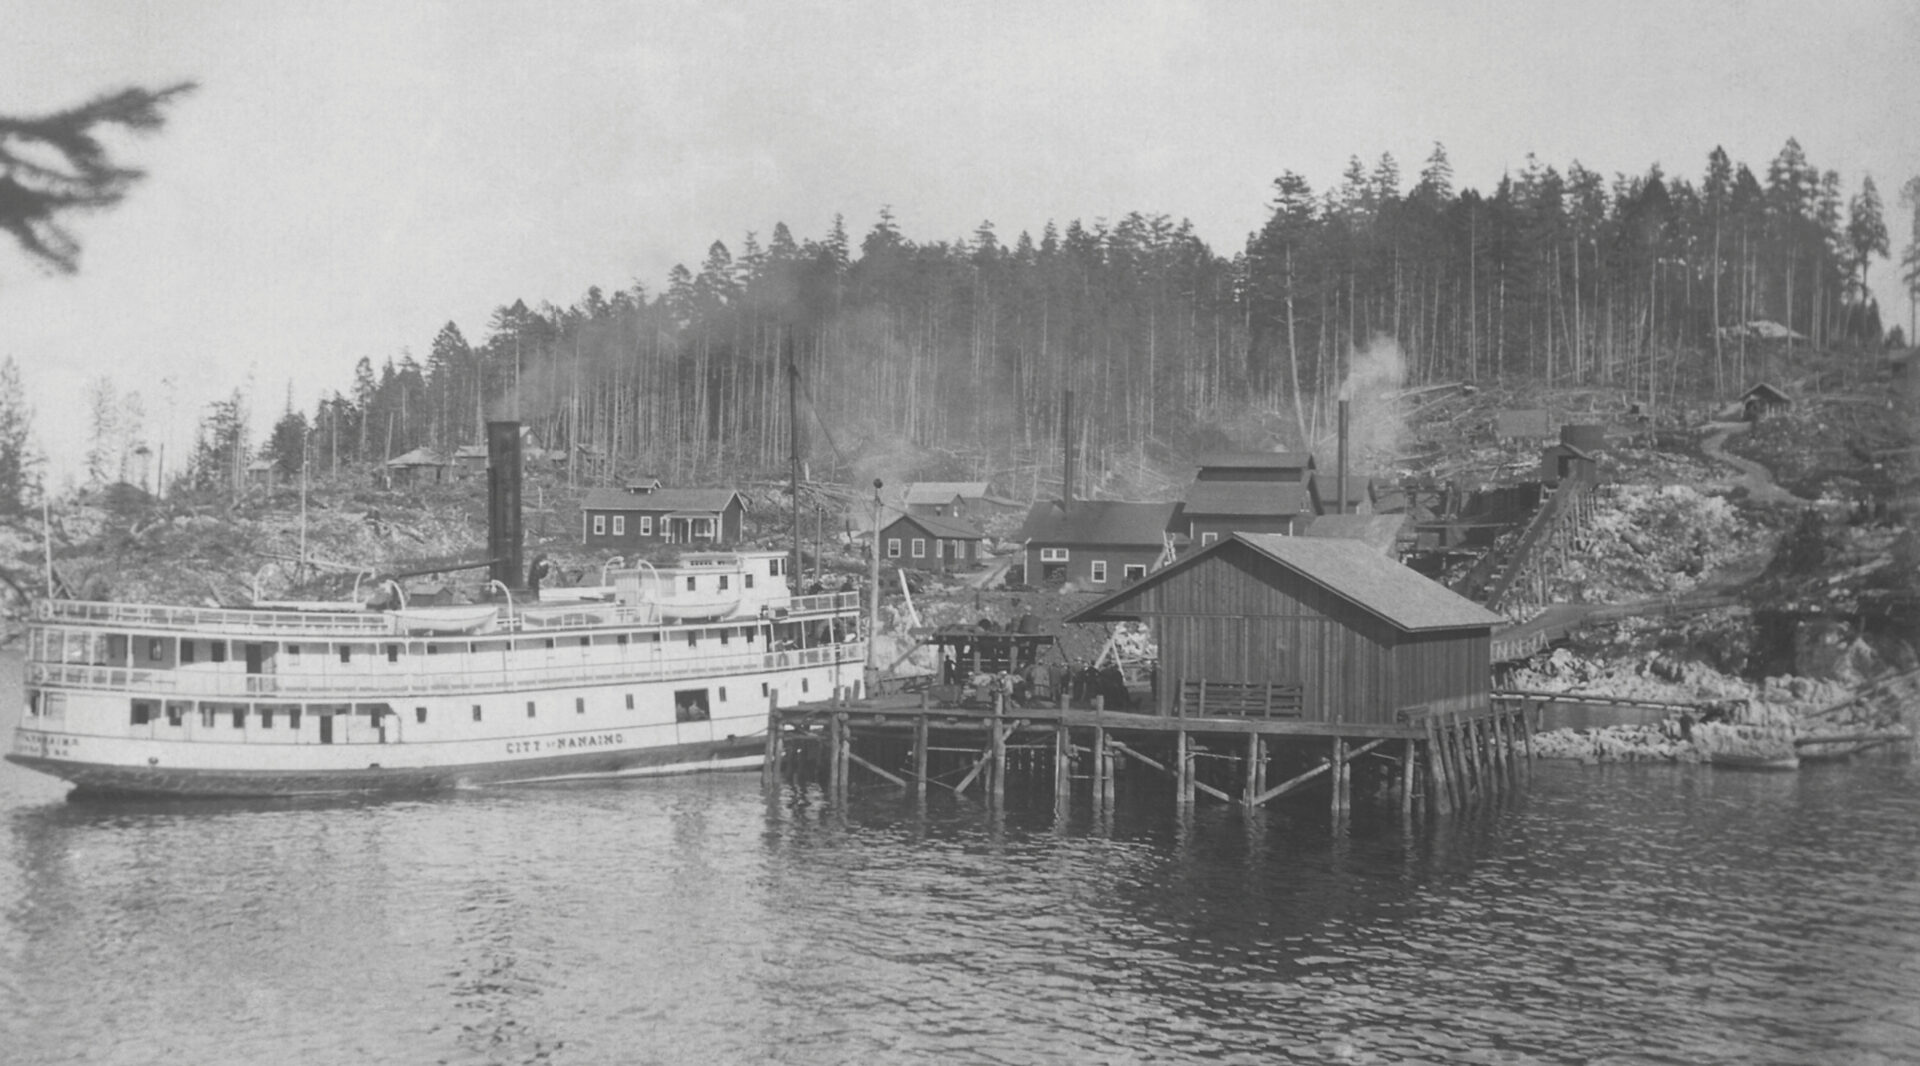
[1425, 763]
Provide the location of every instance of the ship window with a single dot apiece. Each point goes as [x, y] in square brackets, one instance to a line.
[206, 716]
[803, 684]
[763, 690]
[239, 717]
[723, 582]
[346, 653]
[619, 525]
[433, 649]
[579, 705]
[724, 634]
[143, 711]
[177, 711]
[217, 651]
[420, 714]
[629, 701]
[749, 579]
[690, 705]
[585, 641]
[723, 693]
[689, 582]
[529, 708]
[186, 650]
[476, 712]
[293, 719]
[155, 649]
[293, 652]
[693, 638]
[549, 642]
[620, 638]
[266, 718]
[393, 653]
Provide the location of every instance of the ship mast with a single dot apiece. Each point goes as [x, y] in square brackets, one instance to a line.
[793, 431]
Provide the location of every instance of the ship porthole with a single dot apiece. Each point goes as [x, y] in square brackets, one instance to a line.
[153, 760]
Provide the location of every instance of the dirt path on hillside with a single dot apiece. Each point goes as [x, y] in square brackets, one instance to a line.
[1757, 479]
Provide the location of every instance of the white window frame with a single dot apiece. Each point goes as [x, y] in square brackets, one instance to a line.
[1208, 538]
[646, 525]
[893, 547]
[599, 525]
[1053, 555]
[701, 529]
[619, 525]
[919, 547]
[1097, 571]
[1133, 571]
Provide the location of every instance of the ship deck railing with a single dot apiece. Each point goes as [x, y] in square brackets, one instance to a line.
[228, 620]
[848, 654]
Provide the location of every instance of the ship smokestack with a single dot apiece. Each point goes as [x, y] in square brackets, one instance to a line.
[1066, 439]
[503, 504]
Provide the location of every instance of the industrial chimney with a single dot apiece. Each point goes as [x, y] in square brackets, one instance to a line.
[503, 504]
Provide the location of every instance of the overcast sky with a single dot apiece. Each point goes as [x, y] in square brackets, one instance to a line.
[352, 175]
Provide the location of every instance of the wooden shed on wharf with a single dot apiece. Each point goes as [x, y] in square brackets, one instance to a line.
[1330, 626]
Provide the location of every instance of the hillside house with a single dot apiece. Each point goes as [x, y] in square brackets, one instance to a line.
[623, 521]
[1763, 400]
[1326, 494]
[928, 542]
[470, 459]
[1252, 492]
[416, 467]
[1332, 626]
[955, 499]
[1559, 462]
[1093, 544]
[260, 473]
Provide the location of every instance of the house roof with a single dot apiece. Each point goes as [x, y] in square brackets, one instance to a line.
[923, 492]
[1091, 522]
[1765, 391]
[1256, 461]
[710, 501]
[470, 451]
[936, 526]
[1359, 486]
[422, 456]
[1251, 498]
[1347, 568]
[1376, 531]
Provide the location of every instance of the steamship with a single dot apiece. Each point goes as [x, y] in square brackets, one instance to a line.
[663, 670]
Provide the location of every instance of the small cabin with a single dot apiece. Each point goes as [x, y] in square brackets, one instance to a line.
[1763, 400]
[1253, 492]
[1561, 462]
[1327, 630]
[1586, 436]
[260, 473]
[924, 542]
[417, 466]
[470, 459]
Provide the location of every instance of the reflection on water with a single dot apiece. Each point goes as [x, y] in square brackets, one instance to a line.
[1625, 914]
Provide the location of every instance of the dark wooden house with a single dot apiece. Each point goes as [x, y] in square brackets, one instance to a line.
[1558, 462]
[610, 518]
[418, 466]
[1251, 492]
[1328, 626]
[1763, 400]
[926, 542]
[1093, 544]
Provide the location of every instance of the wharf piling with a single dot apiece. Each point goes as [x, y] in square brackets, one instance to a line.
[1426, 763]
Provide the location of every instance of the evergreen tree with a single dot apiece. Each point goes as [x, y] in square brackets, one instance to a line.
[18, 463]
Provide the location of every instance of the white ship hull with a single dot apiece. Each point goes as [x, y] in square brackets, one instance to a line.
[125, 699]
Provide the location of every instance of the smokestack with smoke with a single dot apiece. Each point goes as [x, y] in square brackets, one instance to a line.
[1377, 427]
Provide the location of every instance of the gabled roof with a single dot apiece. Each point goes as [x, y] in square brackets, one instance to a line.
[470, 451]
[705, 501]
[422, 456]
[924, 492]
[1256, 461]
[1098, 522]
[935, 526]
[1249, 498]
[1765, 391]
[1347, 568]
[1359, 486]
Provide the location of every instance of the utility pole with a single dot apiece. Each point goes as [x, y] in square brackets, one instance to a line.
[873, 585]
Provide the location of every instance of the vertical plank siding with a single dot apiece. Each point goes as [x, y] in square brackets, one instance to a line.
[1238, 616]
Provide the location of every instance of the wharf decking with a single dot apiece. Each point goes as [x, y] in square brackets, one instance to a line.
[1423, 763]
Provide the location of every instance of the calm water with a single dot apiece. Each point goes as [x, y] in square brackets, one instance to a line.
[1626, 914]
